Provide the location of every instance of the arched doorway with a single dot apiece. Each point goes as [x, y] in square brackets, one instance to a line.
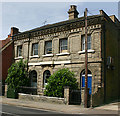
[33, 78]
[89, 80]
[46, 75]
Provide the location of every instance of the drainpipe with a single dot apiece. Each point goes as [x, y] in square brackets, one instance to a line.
[13, 50]
[104, 44]
[28, 50]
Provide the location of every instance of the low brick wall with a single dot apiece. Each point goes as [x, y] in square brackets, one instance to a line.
[38, 98]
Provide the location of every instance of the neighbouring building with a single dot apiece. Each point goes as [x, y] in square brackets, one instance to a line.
[62, 45]
[6, 55]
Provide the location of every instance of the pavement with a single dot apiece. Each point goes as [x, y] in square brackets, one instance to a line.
[111, 108]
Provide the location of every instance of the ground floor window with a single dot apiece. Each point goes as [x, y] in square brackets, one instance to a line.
[46, 75]
[33, 77]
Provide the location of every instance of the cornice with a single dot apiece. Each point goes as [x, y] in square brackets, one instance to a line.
[69, 25]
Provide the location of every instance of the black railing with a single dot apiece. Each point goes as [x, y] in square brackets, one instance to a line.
[28, 90]
[2, 91]
[75, 97]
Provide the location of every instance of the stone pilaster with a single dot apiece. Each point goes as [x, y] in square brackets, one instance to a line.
[66, 94]
[6, 89]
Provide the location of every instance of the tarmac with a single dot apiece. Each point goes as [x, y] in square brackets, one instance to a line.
[111, 108]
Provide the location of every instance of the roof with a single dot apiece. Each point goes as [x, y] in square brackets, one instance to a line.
[61, 23]
[65, 25]
[4, 42]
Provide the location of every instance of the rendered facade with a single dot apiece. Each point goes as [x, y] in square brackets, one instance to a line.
[62, 45]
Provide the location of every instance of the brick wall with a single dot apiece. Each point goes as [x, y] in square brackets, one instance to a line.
[112, 73]
[7, 60]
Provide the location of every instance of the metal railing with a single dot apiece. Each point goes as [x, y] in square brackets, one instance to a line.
[28, 90]
[2, 90]
[75, 97]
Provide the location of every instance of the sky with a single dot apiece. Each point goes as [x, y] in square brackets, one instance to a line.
[30, 15]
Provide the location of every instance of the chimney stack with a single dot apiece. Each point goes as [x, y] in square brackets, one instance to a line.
[73, 13]
[14, 30]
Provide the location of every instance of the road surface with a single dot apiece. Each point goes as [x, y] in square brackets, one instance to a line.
[10, 110]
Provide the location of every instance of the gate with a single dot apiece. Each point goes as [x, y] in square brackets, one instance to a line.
[75, 97]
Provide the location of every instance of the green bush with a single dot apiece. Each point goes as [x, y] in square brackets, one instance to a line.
[57, 82]
[17, 75]
[12, 93]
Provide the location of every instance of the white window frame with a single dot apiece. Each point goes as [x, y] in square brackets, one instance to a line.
[19, 51]
[63, 45]
[33, 50]
[46, 47]
[44, 78]
[83, 42]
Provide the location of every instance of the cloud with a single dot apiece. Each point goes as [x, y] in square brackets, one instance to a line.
[60, 1]
[29, 15]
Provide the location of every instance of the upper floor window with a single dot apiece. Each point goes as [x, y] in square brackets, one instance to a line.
[63, 45]
[35, 49]
[88, 42]
[19, 51]
[48, 47]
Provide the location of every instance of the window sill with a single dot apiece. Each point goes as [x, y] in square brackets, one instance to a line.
[89, 51]
[61, 54]
[47, 55]
[35, 56]
[20, 57]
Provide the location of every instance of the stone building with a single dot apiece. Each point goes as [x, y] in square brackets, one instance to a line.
[62, 45]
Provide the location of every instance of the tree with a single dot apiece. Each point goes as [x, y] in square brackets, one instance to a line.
[17, 75]
[57, 82]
